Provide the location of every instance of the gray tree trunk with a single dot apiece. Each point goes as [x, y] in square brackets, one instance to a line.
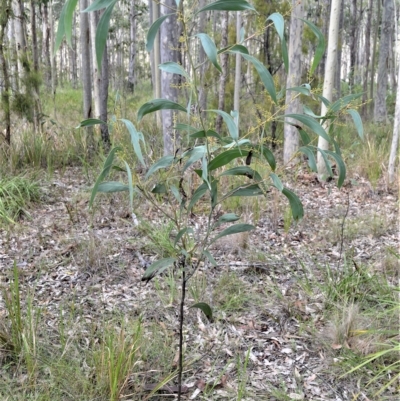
[86, 73]
[329, 79]
[93, 21]
[367, 57]
[238, 66]
[6, 87]
[380, 112]
[353, 41]
[395, 140]
[292, 103]
[46, 52]
[157, 61]
[169, 43]
[224, 66]
[374, 49]
[105, 135]
[132, 48]
[203, 64]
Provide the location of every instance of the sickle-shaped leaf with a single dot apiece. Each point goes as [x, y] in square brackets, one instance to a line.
[164, 162]
[263, 72]
[248, 190]
[228, 218]
[341, 103]
[200, 191]
[158, 104]
[130, 185]
[320, 50]
[102, 32]
[357, 122]
[136, 137]
[268, 155]
[295, 204]
[237, 228]
[90, 122]
[228, 5]
[157, 268]
[61, 27]
[341, 165]
[277, 182]
[234, 48]
[173, 68]
[210, 258]
[210, 49]
[185, 127]
[311, 158]
[194, 155]
[311, 123]
[106, 169]
[112, 186]
[301, 89]
[98, 5]
[326, 161]
[279, 23]
[205, 308]
[226, 157]
[68, 18]
[243, 170]
[232, 127]
[152, 33]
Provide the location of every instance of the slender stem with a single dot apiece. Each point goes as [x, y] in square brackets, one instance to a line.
[181, 318]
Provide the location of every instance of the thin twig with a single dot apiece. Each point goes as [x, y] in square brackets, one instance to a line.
[342, 230]
[181, 318]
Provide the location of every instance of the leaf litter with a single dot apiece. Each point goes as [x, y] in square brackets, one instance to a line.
[66, 256]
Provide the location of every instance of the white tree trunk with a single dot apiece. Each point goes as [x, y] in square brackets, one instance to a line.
[329, 79]
[132, 48]
[238, 67]
[157, 60]
[169, 43]
[380, 112]
[93, 21]
[292, 103]
[395, 139]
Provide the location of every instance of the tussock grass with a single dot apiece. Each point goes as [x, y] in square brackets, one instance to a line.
[16, 194]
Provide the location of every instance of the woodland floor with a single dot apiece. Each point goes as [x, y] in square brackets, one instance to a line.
[269, 338]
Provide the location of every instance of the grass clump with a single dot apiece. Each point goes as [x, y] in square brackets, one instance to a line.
[16, 194]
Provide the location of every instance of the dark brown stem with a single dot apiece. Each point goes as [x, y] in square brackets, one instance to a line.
[181, 318]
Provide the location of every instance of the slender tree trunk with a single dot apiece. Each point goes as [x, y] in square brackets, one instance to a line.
[105, 135]
[353, 42]
[325, 8]
[395, 140]
[53, 59]
[169, 43]
[224, 66]
[203, 64]
[132, 48]
[329, 77]
[374, 50]
[156, 62]
[6, 89]
[94, 20]
[46, 52]
[380, 112]
[19, 37]
[367, 57]
[86, 73]
[291, 134]
[13, 64]
[238, 67]
[338, 73]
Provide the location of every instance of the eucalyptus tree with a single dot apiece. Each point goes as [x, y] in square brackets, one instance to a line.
[380, 110]
[368, 26]
[329, 80]
[294, 77]
[5, 15]
[394, 149]
[169, 52]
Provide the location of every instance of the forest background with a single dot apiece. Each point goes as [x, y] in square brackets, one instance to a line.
[73, 87]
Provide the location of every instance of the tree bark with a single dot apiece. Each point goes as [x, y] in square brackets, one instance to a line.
[6, 89]
[380, 112]
[329, 78]
[353, 42]
[85, 73]
[105, 135]
[292, 103]
[93, 21]
[132, 48]
[395, 140]
[203, 64]
[238, 67]
[169, 43]
[156, 62]
[224, 66]
[367, 57]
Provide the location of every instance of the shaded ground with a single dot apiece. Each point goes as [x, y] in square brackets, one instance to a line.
[268, 340]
